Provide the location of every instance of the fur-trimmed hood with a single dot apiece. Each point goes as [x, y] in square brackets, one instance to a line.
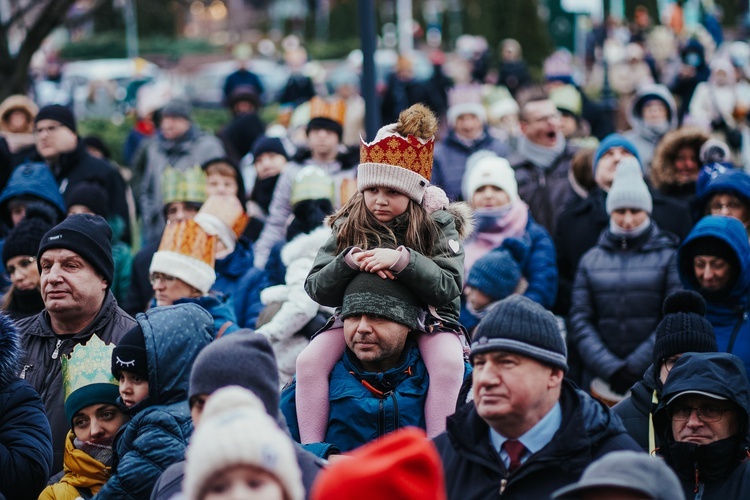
[662, 167]
[10, 351]
[464, 215]
[22, 103]
[647, 93]
[305, 245]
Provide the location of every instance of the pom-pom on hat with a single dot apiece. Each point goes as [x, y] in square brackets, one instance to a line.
[489, 170]
[403, 465]
[684, 327]
[401, 155]
[628, 189]
[235, 430]
[187, 252]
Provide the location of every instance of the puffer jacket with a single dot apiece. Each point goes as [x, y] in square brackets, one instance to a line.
[719, 470]
[158, 434]
[297, 308]
[237, 278]
[663, 175]
[25, 437]
[730, 316]
[32, 179]
[474, 470]
[546, 191]
[635, 411]
[42, 368]
[618, 294]
[82, 472]
[645, 138]
[359, 415]
[219, 306]
[193, 148]
[450, 160]
[438, 279]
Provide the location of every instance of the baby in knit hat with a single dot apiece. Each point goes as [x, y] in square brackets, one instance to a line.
[240, 452]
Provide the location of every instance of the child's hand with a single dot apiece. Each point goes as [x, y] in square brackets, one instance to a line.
[380, 260]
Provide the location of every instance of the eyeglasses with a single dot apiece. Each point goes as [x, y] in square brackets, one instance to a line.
[705, 413]
[669, 362]
[731, 205]
[165, 278]
[50, 130]
[11, 270]
[545, 118]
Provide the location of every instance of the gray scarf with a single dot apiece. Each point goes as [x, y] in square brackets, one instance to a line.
[541, 156]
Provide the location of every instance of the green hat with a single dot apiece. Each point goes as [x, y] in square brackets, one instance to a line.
[370, 294]
[87, 376]
[189, 185]
[312, 183]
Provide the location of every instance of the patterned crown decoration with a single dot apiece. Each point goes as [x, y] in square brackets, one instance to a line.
[333, 110]
[187, 252]
[88, 364]
[189, 185]
[409, 153]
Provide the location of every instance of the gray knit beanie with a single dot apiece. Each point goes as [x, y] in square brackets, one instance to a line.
[244, 358]
[179, 108]
[370, 294]
[518, 324]
[629, 190]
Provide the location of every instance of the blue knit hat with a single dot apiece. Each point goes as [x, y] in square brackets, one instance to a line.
[614, 141]
[498, 272]
[520, 325]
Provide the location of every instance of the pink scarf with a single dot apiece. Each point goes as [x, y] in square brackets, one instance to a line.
[492, 229]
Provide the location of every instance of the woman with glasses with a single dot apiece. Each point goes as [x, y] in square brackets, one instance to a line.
[24, 297]
[724, 191]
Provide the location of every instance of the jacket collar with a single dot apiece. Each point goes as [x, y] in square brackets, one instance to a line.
[102, 318]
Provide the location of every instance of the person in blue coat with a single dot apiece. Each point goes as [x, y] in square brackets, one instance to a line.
[166, 340]
[722, 190]
[237, 278]
[714, 260]
[25, 435]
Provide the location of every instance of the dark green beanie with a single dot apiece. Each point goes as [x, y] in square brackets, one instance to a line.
[370, 294]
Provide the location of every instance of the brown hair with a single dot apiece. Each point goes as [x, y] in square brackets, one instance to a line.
[221, 168]
[415, 229]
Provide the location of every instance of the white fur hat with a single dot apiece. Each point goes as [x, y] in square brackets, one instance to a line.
[236, 430]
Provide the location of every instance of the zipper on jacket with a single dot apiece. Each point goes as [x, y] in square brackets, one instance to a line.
[395, 410]
[503, 484]
[697, 482]
[56, 352]
[22, 375]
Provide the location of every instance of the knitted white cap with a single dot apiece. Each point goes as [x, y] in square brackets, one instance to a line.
[629, 190]
[490, 170]
[466, 108]
[236, 430]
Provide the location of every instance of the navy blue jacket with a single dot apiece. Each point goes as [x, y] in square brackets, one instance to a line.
[474, 470]
[236, 277]
[728, 315]
[358, 415]
[25, 435]
[157, 436]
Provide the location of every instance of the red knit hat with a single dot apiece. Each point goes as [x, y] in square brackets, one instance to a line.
[402, 466]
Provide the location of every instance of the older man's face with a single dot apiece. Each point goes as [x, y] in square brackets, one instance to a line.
[54, 139]
[376, 342]
[512, 392]
[70, 285]
[689, 427]
[607, 166]
[540, 123]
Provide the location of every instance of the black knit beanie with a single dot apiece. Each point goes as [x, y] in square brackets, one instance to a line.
[130, 354]
[25, 237]
[227, 361]
[58, 113]
[87, 235]
[518, 324]
[684, 327]
[269, 145]
[325, 124]
[370, 294]
[89, 194]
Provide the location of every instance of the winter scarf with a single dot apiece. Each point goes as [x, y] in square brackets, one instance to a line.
[541, 156]
[493, 226]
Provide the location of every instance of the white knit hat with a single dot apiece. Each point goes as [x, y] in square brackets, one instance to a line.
[489, 170]
[629, 190]
[236, 430]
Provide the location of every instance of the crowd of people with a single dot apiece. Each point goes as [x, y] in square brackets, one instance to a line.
[512, 290]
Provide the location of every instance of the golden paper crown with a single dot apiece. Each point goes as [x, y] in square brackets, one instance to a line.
[189, 185]
[87, 364]
[409, 153]
[333, 110]
[188, 238]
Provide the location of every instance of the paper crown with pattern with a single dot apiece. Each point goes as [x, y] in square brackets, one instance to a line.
[333, 110]
[87, 376]
[189, 185]
[187, 252]
[401, 155]
[312, 183]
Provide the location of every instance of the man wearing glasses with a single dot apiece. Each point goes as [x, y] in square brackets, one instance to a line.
[702, 423]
